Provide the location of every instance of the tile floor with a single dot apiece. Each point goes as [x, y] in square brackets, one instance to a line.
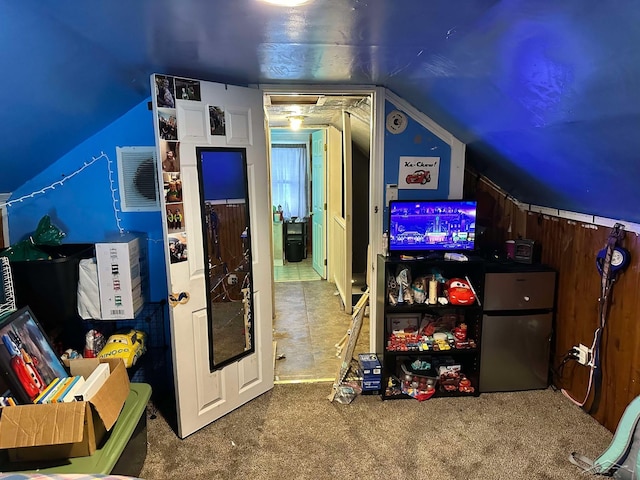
[296, 271]
[309, 322]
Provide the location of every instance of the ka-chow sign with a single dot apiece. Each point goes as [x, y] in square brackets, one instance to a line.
[419, 173]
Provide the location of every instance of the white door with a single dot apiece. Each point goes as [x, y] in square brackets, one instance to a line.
[319, 202]
[228, 118]
[345, 223]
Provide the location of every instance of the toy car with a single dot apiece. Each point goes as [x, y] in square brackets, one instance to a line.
[126, 345]
[459, 292]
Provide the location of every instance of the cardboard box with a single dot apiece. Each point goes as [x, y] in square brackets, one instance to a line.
[65, 430]
[371, 371]
[370, 366]
[122, 275]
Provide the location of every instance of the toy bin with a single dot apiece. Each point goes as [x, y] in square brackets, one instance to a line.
[123, 452]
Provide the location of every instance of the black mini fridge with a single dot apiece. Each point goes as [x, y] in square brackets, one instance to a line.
[517, 328]
[295, 241]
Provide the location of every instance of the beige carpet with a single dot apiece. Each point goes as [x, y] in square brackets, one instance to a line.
[294, 432]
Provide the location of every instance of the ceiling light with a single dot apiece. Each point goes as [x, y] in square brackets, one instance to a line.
[287, 3]
[295, 122]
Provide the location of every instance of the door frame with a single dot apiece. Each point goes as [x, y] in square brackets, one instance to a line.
[376, 173]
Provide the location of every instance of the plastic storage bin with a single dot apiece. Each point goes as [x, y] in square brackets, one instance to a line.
[123, 453]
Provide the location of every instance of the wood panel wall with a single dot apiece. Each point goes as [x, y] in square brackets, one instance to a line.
[571, 248]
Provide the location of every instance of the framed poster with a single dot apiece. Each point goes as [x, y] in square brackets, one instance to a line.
[28, 363]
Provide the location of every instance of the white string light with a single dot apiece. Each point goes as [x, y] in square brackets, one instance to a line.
[65, 179]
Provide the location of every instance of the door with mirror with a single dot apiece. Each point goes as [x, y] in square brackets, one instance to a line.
[220, 291]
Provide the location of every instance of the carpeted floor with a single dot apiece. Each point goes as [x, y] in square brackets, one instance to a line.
[293, 431]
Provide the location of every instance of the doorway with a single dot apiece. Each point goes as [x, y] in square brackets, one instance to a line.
[309, 315]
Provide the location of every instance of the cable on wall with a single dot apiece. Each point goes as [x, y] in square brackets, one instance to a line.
[608, 278]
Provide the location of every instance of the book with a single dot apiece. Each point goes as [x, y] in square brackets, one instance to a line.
[59, 398]
[93, 382]
[64, 383]
[47, 390]
[70, 394]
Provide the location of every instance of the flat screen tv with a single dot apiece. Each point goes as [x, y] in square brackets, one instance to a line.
[419, 227]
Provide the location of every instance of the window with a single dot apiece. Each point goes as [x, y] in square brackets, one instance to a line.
[289, 179]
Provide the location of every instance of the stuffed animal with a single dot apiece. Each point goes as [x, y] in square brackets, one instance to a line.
[459, 292]
[418, 287]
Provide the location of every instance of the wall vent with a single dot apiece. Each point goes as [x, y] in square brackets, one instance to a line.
[138, 179]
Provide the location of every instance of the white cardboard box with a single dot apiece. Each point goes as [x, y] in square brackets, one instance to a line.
[122, 275]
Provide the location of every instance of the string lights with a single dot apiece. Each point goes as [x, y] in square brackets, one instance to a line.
[61, 182]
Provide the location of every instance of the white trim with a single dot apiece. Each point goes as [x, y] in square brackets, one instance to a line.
[421, 118]
[586, 220]
[376, 180]
[554, 212]
[576, 217]
[4, 198]
[456, 179]
[292, 89]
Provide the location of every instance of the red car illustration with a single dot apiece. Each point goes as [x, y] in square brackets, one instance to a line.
[27, 375]
[419, 176]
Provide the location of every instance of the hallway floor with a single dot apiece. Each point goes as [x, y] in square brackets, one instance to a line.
[309, 323]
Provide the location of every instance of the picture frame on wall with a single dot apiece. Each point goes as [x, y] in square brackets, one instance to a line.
[28, 362]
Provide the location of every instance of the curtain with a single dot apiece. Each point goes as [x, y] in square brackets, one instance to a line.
[289, 179]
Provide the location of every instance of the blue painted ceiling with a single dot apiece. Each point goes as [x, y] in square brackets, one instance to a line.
[545, 94]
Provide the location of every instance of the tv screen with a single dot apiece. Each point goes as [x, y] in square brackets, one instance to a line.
[417, 226]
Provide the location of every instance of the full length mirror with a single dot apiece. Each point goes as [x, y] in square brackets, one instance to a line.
[227, 253]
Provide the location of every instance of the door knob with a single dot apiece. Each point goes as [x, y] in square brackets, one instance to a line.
[526, 298]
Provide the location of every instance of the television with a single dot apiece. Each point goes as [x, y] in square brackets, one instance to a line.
[419, 227]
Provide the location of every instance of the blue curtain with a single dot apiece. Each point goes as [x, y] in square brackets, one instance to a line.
[289, 179]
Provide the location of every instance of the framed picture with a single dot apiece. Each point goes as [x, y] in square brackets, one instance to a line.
[403, 322]
[28, 363]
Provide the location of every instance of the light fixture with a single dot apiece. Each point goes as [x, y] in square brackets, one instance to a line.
[295, 122]
[287, 3]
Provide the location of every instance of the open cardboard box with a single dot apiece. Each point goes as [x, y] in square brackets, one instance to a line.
[65, 430]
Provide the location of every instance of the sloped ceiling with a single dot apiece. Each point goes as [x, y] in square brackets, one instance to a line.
[545, 94]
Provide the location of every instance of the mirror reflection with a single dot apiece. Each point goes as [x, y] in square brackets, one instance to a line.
[227, 253]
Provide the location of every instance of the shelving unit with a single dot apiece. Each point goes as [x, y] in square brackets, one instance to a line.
[154, 367]
[415, 363]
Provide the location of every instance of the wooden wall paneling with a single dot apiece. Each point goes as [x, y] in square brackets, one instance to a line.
[570, 248]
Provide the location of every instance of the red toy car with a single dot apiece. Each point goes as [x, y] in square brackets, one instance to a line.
[459, 292]
[419, 176]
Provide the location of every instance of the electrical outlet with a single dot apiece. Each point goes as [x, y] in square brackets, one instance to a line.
[583, 355]
[232, 279]
[391, 192]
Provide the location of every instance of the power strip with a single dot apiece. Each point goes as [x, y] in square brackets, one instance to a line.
[583, 354]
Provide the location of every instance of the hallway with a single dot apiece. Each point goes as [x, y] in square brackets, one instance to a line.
[309, 322]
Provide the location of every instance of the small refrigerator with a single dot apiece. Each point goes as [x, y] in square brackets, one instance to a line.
[517, 328]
